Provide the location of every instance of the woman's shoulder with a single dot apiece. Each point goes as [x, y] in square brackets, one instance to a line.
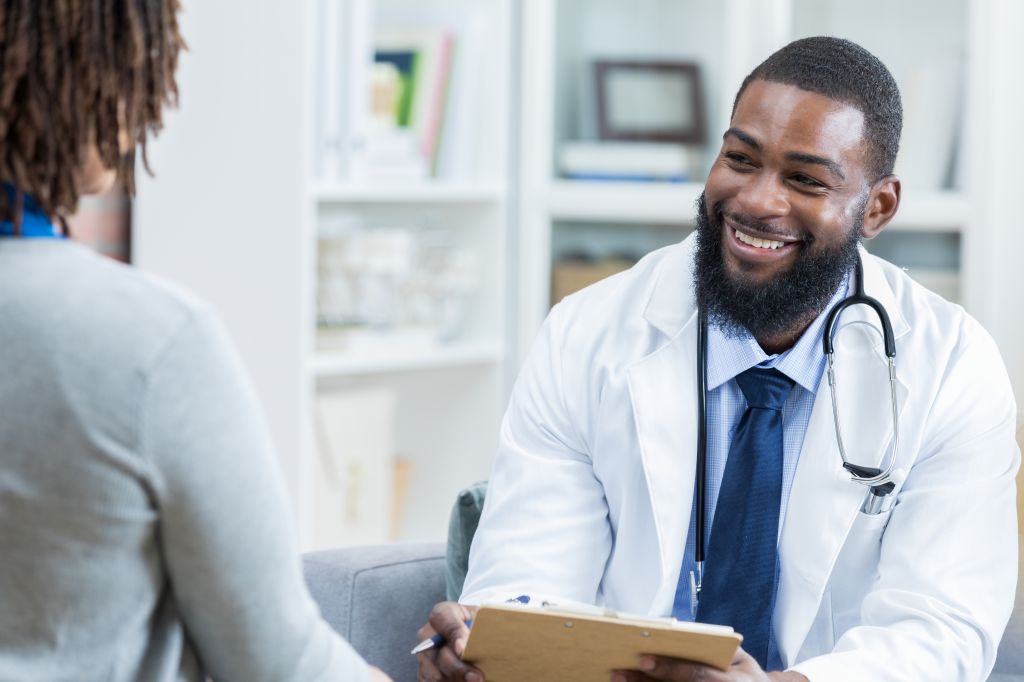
[79, 306]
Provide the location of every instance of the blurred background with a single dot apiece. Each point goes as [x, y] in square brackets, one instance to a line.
[383, 198]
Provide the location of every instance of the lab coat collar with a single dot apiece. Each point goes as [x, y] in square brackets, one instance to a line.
[672, 304]
[662, 390]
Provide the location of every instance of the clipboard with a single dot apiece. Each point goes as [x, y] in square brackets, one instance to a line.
[514, 643]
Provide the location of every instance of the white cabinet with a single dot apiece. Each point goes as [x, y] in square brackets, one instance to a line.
[417, 308]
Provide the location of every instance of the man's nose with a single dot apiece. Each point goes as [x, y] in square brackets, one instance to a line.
[763, 196]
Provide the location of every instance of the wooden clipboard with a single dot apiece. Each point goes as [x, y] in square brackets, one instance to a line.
[515, 644]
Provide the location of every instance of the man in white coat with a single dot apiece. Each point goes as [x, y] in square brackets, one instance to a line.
[592, 497]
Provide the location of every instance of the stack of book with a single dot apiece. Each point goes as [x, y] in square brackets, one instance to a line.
[409, 87]
[629, 161]
[422, 118]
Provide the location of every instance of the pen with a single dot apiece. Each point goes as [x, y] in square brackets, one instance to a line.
[438, 640]
[433, 641]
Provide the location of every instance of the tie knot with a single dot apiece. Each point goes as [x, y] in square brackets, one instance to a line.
[765, 388]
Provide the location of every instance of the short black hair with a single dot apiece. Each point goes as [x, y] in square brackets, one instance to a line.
[842, 70]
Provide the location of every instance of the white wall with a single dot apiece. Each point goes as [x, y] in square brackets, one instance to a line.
[225, 214]
[997, 177]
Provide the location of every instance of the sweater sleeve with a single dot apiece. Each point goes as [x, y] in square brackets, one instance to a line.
[226, 532]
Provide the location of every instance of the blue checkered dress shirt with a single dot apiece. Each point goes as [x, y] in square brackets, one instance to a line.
[804, 363]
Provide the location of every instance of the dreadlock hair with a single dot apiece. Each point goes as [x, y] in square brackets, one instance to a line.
[842, 70]
[77, 75]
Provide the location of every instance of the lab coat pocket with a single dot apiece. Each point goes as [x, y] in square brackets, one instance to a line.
[856, 569]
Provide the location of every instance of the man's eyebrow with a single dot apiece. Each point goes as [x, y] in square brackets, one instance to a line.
[799, 157]
[818, 161]
[742, 137]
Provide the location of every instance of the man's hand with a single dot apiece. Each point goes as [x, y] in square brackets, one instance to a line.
[440, 664]
[743, 669]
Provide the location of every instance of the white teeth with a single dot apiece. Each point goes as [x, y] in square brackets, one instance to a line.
[757, 241]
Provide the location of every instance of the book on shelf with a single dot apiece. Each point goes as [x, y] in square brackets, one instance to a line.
[418, 80]
[629, 161]
[409, 85]
[458, 151]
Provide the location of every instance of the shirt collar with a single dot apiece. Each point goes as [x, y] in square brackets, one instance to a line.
[34, 221]
[803, 363]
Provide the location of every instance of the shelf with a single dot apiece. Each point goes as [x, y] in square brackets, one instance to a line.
[674, 204]
[338, 363]
[409, 193]
[930, 211]
[624, 202]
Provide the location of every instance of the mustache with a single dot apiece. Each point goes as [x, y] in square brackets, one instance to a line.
[753, 223]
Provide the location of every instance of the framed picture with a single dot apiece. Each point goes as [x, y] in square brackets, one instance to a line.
[659, 101]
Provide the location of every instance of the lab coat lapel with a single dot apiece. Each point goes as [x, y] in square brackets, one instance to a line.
[824, 502]
[663, 390]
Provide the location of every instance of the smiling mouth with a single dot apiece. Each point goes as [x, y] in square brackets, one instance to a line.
[769, 244]
[758, 241]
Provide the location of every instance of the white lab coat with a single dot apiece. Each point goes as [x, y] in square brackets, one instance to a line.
[592, 489]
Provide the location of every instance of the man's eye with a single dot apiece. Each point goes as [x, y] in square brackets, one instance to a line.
[805, 180]
[738, 158]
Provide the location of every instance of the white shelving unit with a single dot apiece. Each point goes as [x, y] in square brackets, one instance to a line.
[727, 39]
[447, 394]
[262, 159]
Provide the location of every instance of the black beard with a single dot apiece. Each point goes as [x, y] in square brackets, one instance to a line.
[737, 304]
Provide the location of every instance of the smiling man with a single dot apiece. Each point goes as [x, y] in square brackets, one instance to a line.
[597, 487]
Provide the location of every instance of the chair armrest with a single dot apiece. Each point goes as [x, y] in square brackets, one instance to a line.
[377, 596]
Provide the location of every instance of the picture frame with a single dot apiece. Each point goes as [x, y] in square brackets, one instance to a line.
[651, 101]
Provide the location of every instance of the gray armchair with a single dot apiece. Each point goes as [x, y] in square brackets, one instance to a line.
[377, 597]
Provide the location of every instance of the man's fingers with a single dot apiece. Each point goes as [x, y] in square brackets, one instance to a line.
[744, 661]
[449, 620]
[677, 670]
[428, 671]
[629, 676]
[452, 667]
[425, 632]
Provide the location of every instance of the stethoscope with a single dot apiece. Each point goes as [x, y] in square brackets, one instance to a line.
[880, 482]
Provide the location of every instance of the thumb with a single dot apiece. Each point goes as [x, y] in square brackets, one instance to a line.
[448, 619]
[459, 633]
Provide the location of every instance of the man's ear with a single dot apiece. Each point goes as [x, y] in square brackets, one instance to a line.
[883, 201]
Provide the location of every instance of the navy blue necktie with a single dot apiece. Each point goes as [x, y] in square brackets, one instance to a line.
[739, 574]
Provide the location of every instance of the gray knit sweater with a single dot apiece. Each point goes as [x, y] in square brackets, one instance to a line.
[144, 531]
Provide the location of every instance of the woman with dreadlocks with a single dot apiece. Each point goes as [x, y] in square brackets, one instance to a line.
[144, 534]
